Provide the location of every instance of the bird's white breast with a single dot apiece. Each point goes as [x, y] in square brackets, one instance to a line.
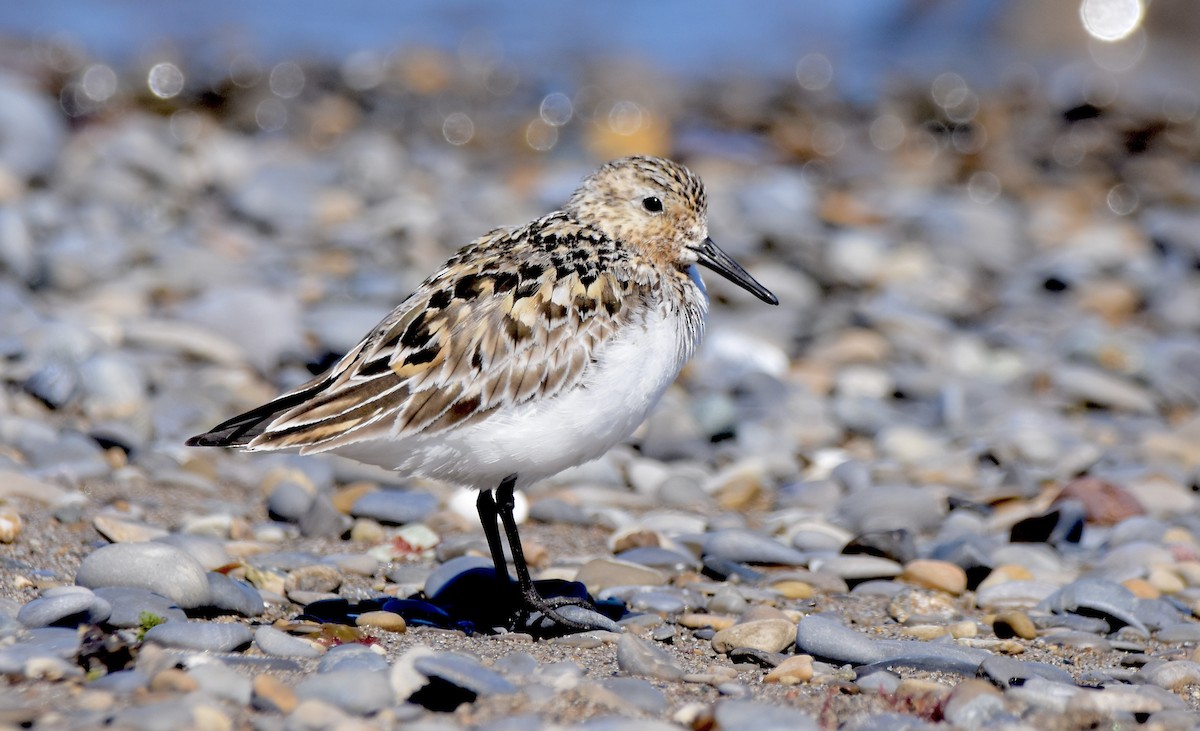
[541, 437]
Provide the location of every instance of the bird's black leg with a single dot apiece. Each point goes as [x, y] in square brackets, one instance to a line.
[486, 505]
[533, 600]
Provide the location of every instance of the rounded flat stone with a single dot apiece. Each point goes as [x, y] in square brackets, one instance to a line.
[158, 567]
[199, 635]
[356, 690]
[823, 637]
[768, 635]
[129, 605]
[277, 643]
[74, 604]
[636, 656]
[395, 506]
[465, 672]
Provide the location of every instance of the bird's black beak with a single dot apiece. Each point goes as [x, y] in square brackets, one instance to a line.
[712, 257]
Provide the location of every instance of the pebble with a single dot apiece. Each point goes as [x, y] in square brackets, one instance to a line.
[793, 670]
[129, 604]
[352, 656]
[276, 643]
[464, 672]
[603, 573]
[395, 507]
[234, 596]
[1014, 624]
[201, 636]
[743, 546]
[939, 575]
[741, 714]
[157, 567]
[272, 695]
[768, 635]
[69, 605]
[638, 657]
[355, 690]
[388, 621]
[221, 681]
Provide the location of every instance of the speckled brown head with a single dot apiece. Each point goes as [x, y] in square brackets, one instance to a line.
[659, 209]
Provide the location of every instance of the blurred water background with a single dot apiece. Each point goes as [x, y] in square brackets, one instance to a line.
[868, 45]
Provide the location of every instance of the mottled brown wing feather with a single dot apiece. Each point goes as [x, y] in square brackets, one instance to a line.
[515, 316]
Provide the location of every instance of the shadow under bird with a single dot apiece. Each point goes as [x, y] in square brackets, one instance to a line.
[533, 349]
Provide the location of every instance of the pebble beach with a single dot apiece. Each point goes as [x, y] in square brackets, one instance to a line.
[950, 482]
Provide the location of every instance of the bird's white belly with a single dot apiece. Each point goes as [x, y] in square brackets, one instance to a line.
[542, 437]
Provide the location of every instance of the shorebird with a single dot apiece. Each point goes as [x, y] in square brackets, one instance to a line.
[533, 349]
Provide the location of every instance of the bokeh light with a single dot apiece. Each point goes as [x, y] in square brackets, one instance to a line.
[541, 136]
[458, 129]
[271, 115]
[887, 132]
[983, 186]
[287, 80]
[556, 109]
[814, 72]
[99, 82]
[1111, 20]
[625, 118]
[165, 80]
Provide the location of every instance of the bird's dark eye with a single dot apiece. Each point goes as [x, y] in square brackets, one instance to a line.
[652, 204]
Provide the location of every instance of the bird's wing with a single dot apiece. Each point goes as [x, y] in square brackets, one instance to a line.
[515, 316]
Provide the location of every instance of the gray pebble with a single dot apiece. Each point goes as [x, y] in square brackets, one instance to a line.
[884, 682]
[657, 557]
[829, 639]
[159, 567]
[639, 694]
[221, 681]
[1179, 633]
[43, 644]
[636, 656]
[323, 520]
[65, 604]
[586, 616]
[888, 722]
[209, 552]
[202, 636]
[744, 546]
[892, 507]
[516, 664]
[357, 690]
[1097, 596]
[353, 656]
[857, 567]
[745, 714]
[290, 500]
[165, 715]
[1006, 672]
[129, 603]
[396, 507]
[235, 596]
[121, 682]
[278, 643]
[464, 672]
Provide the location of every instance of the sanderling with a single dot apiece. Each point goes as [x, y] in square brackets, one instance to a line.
[531, 350]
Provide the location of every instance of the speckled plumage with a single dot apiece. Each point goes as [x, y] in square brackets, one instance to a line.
[531, 350]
